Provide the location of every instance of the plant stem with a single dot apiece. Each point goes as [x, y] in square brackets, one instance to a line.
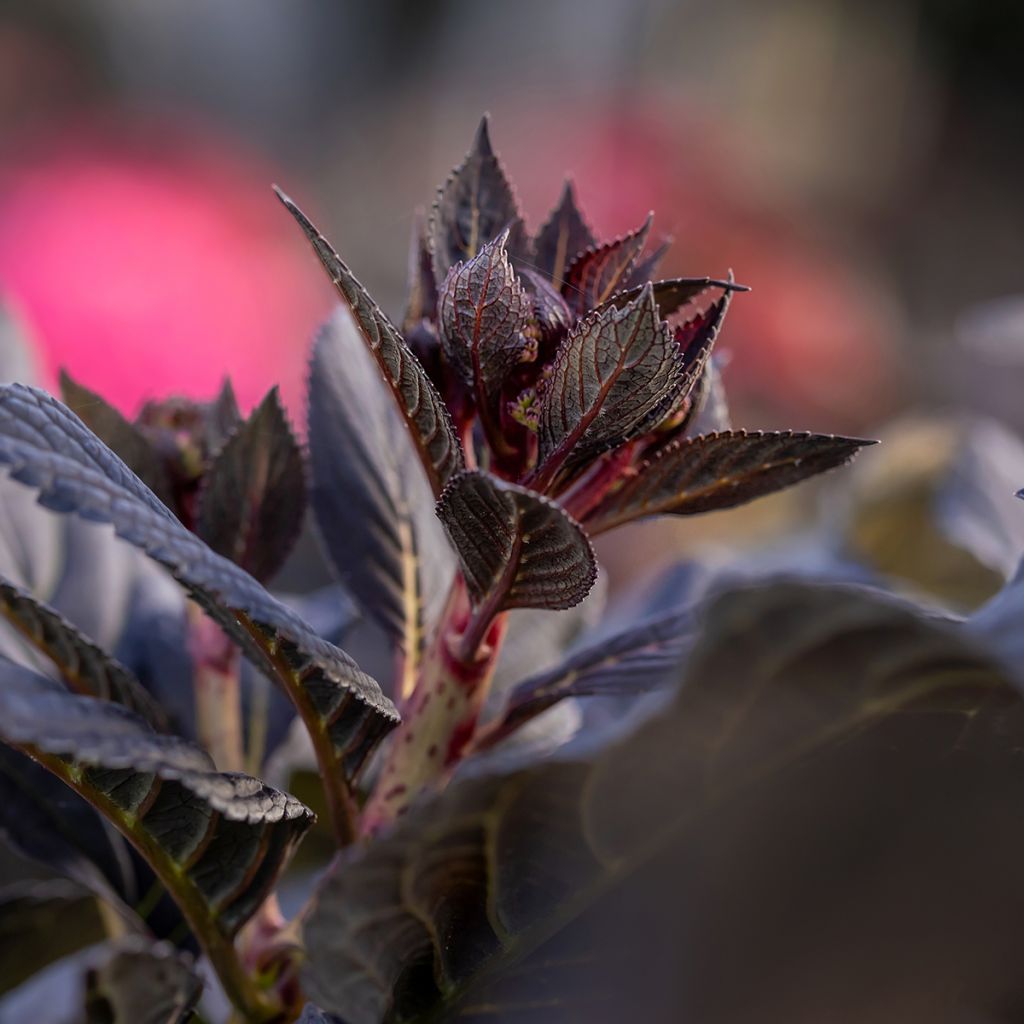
[218, 698]
[441, 716]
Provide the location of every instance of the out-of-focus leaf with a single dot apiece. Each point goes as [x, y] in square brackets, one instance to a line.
[50, 450]
[41, 922]
[422, 300]
[562, 237]
[422, 408]
[646, 267]
[598, 272]
[798, 701]
[371, 499]
[118, 434]
[483, 313]
[517, 549]
[142, 983]
[253, 496]
[84, 666]
[473, 206]
[720, 471]
[550, 311]
[314, 1015]
[223, 417]
[710, 413]
[614, 376]
[217, 840]
[635, 661]
[999, 624]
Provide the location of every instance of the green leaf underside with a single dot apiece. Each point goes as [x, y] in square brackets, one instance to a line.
[629, 663]
[562, 237]
[371, 500]
[483, 312]
[42, 922]
[473, 206]
[715, 471]
[84, 666]
[615, 375]
[596, 274]
[517, 549]
[217, 840]
[433, 915]
[48, 449]
[142, 983]
[419, 403]
[118, 434]
[253, 496]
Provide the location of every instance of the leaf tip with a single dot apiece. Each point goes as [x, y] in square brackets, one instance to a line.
[482, 141]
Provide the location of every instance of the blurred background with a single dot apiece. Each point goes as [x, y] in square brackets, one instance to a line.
[857, 164]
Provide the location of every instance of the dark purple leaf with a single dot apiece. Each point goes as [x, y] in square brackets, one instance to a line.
[483, 313]
[614, 377]
[716, 471]
[142, 983]
[562, 237]
[118, 434]
[370, 496]
[550, 310]
[672, 296]
[50, 450]
[216, 840]
[418, 401]
[597, 273]
[646, 267]
[223, 417]
[253, 496]
[808, 721]
[85, 667]
[517, 548]
[473, 206]
[422, 300]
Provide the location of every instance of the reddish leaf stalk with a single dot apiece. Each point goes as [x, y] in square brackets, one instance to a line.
[217, 690]
[441, 716]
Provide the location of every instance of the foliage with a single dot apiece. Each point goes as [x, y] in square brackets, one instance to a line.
[543, 389]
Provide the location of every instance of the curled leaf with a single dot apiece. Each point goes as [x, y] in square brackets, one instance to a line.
[517, 549]
[422, 408]
[716, 471]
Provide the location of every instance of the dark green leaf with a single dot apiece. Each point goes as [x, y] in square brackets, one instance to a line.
[720, 471]
[517, 549]
[614, 376]
[48, 449]
[370, 497]
[118, 434]
[596, 274]
[41, 922]
[420, 404]
[562, 237]
[798, 701]
[472, 207]
[253, 496]
[639, 659]
[84, 666]
[142, 984]
[483, 313]
[217, 840]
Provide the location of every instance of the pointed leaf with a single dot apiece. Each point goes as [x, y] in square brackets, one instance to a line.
[223, 417]
[721, 471]
[118, 434]
[562, 237]
[370, 497]
[673, 295]
[422, 300]
[550, 311]
[84, 666]
[50, 450]
[142, 983]
[646, 267]
[599, 272]
[632, 662]
[517, 548]
[253, 496]
[614, 376]
[473, 206]
[806, 713]
[418, 401]
[216, 840]
[483, 313]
